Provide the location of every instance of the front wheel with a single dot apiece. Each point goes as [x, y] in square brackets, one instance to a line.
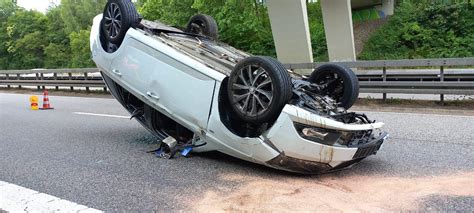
[258, 89]
[339, 83]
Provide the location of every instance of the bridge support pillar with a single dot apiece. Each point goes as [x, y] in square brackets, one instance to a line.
[337, 17]
[290, 28]
[387, 7]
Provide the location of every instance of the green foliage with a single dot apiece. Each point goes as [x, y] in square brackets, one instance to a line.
[364, 15]
[7, 7]
[243, 24]
[77, 14]
[57, 56]
[28, 51]
[25, 32]
[316, 28]
[6, 10]
[172, 12]
[424, 29]
[80, 49]
[55, 27]
[58, 51]
[57, 39]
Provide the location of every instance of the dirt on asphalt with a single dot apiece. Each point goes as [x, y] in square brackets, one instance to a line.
[355, 193]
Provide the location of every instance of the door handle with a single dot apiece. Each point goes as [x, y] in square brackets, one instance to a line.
[116, 72]
[153, 95]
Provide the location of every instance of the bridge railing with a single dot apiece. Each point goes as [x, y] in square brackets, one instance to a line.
[383, 76]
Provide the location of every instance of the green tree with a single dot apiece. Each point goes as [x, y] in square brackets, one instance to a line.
[80, 49]
[25, 42]
[6, 10]
[172, 12]
[243, 24]
[77, 17]
[78, 14]
[28, 51]
[55, 27]
[424, 29]
[57, 56]
[316, 28]
[7, 7]
[57, 51]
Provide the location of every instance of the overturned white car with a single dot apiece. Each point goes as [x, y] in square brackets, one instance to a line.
[192, 91]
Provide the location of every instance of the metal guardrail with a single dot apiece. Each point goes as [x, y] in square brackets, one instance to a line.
[469, 61]
[455, 82]
[71, 78]
[444, 81]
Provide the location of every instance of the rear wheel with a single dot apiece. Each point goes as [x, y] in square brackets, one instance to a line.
[340, 83]
[258, 89]
[118, 17]
[204, 25]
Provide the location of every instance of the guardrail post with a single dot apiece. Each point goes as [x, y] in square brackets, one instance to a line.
[70, 78]
[441, 79]
[42, 78]
[384, 79]
[85, 79]
[7, 76]
[18, 78]
[55, 75]
[37, 77]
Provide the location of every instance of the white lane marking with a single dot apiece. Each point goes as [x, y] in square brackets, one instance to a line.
[14, 198]
[101, 115]
[419, 114]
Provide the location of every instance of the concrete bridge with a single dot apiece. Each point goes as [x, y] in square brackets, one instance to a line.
[289, 21]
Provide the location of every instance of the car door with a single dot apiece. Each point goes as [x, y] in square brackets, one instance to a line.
[179, 90]
[130, 65]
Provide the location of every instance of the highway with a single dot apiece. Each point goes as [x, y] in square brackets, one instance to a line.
[87, 151]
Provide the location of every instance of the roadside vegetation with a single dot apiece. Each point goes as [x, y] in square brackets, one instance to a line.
[60, 38]
[424, 29]
[57, 39]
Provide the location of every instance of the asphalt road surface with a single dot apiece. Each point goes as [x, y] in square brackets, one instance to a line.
[102, 162]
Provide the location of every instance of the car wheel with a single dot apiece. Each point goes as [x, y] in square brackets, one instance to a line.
[340, 83]
[258, 89]
[118, 17]
[204, 25]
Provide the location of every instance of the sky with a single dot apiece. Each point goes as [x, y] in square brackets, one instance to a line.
[39, 5]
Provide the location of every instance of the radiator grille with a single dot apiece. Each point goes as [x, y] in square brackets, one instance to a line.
[366, 151]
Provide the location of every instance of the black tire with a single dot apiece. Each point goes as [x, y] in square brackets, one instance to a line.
[342, 83]
[258, 89]
[118, 17]
[204, 25]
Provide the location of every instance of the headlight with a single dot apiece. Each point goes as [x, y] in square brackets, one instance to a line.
[319, 135]
[314, 133]
[333, 137]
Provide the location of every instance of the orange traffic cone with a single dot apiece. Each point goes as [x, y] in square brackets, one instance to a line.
[46, 101]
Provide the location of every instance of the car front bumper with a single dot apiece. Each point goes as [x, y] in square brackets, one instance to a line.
[301, 155]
